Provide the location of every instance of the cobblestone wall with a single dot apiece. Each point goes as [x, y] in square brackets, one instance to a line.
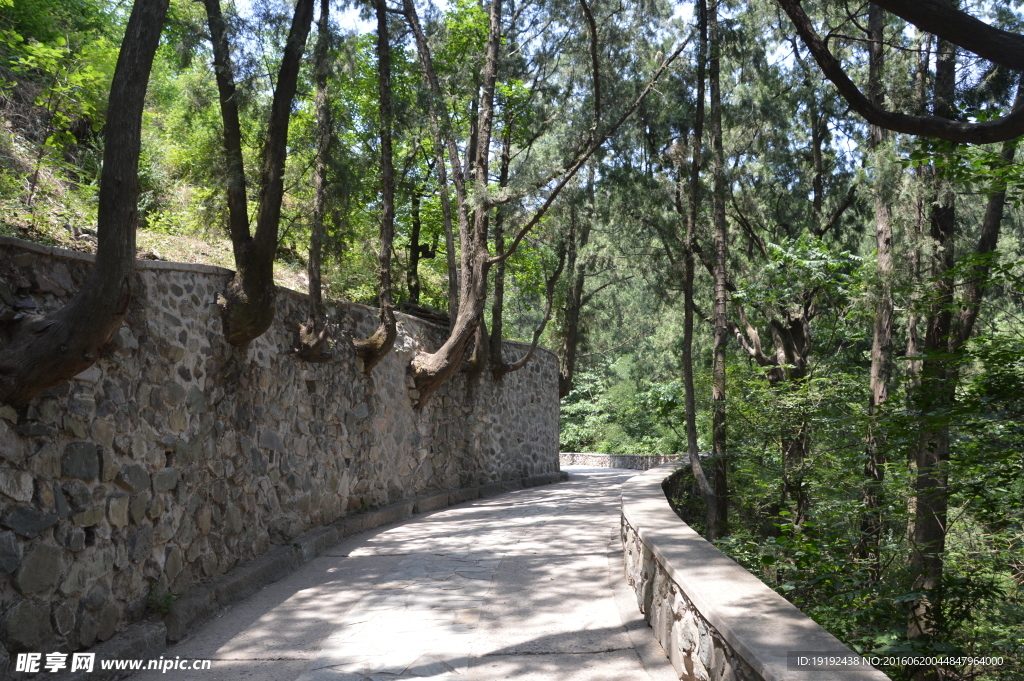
[695, 649]
[714, 620]
[178, 457]
[635, 462]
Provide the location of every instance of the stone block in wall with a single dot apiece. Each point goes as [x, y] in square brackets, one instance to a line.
[16, 484]
[165, 479]
[86, 569]
[108, 464]
[40, 571]
[28, 628]
[117, 510]
[10, 553]
[133, 478]
[89, 517]
[28, 521]
[80, 460]
[12, 448]
[140, 543]
[138, 506]
[270, 439]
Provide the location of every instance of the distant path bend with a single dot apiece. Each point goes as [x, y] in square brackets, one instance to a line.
[527, 585]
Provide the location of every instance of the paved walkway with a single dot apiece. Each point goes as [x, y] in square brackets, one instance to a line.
[527, 585]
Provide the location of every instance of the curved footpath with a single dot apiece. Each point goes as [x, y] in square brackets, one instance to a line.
[527, 585]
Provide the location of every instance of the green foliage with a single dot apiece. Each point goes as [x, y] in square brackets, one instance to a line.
[976, 168]
[801, 267]
[160, 600]
[608, 412]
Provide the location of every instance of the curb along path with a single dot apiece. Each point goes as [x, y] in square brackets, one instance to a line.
[525, 585]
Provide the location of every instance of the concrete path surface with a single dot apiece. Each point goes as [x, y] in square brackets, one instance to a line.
[526, 585]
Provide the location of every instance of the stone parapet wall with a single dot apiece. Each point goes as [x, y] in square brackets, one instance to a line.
[715, 620]
[635, 462]
[177, 457]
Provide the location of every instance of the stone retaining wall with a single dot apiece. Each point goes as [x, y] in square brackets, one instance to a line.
[636, 462]
[715, 620]
[178, 457]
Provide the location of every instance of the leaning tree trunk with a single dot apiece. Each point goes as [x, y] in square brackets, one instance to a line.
[314, 334]
[881, 343]
[373, 349]
[430, 370]
[499, 367]
[248, 303]
[914, 260]
[43, 351]
[721, 324]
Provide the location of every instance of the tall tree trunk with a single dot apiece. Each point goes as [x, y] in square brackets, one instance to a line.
[499, 367]
[444, 142]
[944, 340]
[936, 393]
[707, 491]
[881, 344]
[913, 336]
[721, 323]
[577, 273]
[498, 297]
[449, 254]
[446, 216]
[314, 334]
[373, 349]
[478, 356]
[795, 447]
[248, 303]
[430, 370]
[39, 352]
[818, 129]
[414, 249]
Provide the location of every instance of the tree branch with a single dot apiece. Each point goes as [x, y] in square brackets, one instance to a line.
[584, 157]
[945, 21]
[999, 130]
